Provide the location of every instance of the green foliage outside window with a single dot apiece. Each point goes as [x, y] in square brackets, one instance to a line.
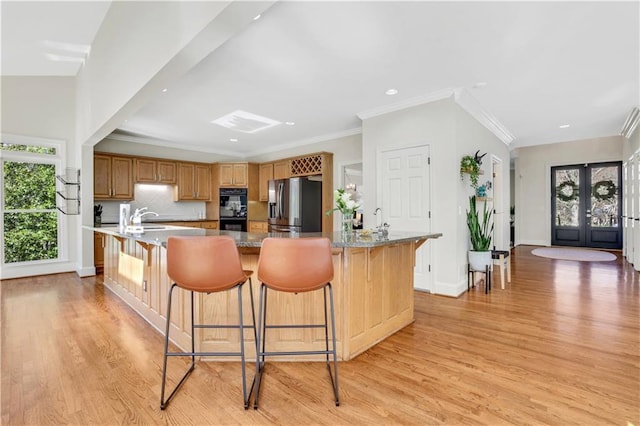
[30, 236]
[29, 186]
[27, 148]
[30, 231]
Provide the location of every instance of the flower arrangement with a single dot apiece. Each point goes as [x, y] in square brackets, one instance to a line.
[347, 205]
[345, 202]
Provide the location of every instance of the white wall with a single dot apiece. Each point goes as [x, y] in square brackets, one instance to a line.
[44, 107]
[533, 180]
[450, 133]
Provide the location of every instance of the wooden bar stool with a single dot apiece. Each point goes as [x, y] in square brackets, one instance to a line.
[206, 265]
[503, 261]
[296, 265]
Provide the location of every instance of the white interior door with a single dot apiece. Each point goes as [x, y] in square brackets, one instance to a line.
[404, 197]
[498, 206]
[635, 211]
[625, 208]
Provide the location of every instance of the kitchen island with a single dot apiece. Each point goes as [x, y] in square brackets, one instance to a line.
[373, 289]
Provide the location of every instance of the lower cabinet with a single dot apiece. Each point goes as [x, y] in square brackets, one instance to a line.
[258, 226]
[98, 251]
[211, 224]
[207, 224]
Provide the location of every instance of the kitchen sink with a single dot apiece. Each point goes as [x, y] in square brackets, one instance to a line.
[152, 227]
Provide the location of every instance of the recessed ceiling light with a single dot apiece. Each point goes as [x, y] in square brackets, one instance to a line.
[164, 90]
[258, 16]
[290, 123]
[391, 92]
[564, 126]
[233, 140]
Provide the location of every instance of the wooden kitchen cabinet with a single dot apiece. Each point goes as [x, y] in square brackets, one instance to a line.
[266, 174]
[112, 177]
[149, 170]
[281, 170]
[98, 251]
[194, 182]
[233, 175]
[258, 226]
[209, 224]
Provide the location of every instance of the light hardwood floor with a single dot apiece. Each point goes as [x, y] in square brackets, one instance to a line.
[560, 345]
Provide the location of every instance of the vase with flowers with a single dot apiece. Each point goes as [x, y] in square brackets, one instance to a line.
[345, 203]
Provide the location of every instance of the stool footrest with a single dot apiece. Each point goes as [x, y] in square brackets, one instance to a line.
[295, 353]
[296, 326]
[221, 326]
[204, 354]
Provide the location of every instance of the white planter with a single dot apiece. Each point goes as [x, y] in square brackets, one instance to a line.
[478, 260]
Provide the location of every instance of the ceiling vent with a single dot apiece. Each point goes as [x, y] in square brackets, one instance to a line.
[245, 122]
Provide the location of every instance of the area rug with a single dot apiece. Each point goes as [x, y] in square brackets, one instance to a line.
[581, 255]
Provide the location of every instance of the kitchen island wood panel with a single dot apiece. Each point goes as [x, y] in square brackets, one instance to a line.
[373, 294]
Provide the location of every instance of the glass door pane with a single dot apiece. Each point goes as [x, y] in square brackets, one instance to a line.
[605, 190]
[567, 198]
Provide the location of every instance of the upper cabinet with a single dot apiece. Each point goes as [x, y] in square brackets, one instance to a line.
[266, 174]
[193, 182]
[281, 169]
[149, 170]
[112, 177]
[233, 175]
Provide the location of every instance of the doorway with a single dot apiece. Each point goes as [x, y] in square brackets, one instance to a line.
[586, 204]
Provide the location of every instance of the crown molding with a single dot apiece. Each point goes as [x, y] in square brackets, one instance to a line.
[630, 123]
[167, 144]
[309, 141]
[488, 120]
[407, 103]
[462, 97]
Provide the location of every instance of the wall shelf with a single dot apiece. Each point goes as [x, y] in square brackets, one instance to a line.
[68, 192]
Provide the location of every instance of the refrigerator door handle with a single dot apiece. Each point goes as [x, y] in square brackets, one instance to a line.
[280, 200]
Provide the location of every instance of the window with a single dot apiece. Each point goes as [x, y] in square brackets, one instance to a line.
[29, 219]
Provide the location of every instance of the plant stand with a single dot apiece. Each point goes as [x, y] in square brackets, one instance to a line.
[471, 275]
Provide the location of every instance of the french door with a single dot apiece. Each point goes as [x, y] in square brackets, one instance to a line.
[586, 205]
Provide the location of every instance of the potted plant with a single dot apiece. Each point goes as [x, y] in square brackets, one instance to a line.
[480, 230]
[468, 164]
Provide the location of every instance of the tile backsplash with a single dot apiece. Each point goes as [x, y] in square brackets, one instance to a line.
[157, 198]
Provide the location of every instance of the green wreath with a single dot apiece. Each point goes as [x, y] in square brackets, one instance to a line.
[603, 190]
[561, 191]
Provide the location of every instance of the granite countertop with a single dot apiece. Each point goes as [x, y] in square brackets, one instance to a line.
[158, 220]
[254, 239]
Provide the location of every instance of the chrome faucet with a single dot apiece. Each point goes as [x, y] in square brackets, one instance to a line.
[383, 228]
[375, 213]
[136, 219]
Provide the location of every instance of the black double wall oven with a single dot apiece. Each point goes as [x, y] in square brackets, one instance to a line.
[233, 209]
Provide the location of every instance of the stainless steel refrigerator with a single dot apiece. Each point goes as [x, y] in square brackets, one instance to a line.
[295, 205]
